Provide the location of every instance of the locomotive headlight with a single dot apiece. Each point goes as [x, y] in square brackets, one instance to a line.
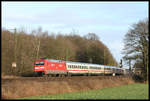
[41, 67]
[36, 67]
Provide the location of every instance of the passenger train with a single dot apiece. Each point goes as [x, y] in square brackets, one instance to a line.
[50, 67]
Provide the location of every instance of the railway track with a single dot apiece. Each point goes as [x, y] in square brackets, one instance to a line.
[77, 78]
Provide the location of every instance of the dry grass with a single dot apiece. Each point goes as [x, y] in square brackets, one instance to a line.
[18, 88]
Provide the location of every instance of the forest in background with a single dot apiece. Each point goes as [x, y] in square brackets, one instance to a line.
[24, 49]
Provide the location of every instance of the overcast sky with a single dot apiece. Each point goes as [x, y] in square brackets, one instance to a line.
[109, 20]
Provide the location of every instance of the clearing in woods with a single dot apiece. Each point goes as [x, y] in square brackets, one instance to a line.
[131, 91]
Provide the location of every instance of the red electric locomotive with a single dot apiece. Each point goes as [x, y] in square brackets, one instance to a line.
[52, 67]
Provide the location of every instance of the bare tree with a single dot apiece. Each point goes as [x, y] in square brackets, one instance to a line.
[136, 44]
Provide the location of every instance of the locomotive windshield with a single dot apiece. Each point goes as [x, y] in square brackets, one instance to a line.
[39, 63]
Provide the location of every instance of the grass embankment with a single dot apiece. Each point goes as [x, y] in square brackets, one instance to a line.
[132, 91]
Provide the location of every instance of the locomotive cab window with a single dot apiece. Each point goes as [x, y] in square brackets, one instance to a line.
[39, 63]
